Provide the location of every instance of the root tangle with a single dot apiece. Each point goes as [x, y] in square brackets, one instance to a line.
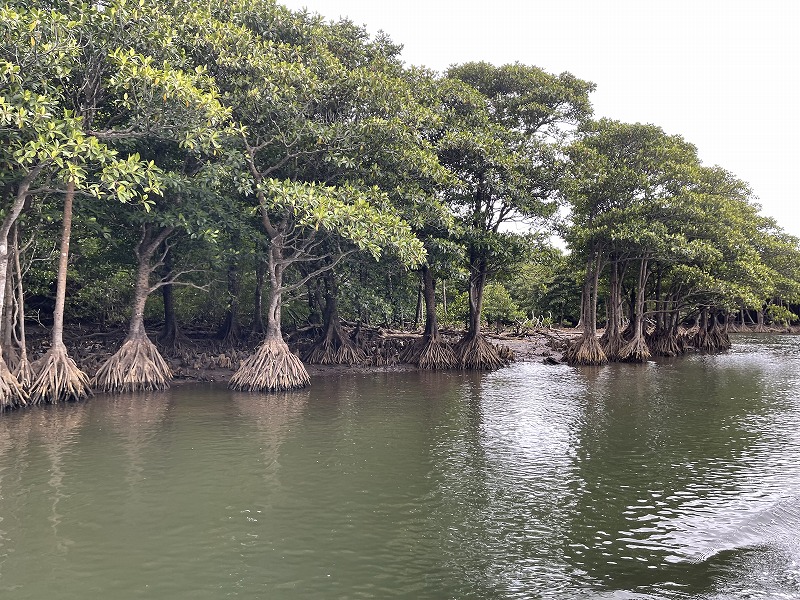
[136, 366]
[273, 368]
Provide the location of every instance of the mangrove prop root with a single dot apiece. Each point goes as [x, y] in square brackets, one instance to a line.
[430, 353]
[59, 379]
[12, 393]
[635, 351]
[136, 366]
[334, 351]
[719, 338]
[506, 354]
[24, 373]
[383, 353]
[705, 342]
[411, 350]
[612, 345]
[476, 353]
[174, 343]
[665, 344]
[273, 368]
[586, 351]
[230, 338]
[684, 340]
[11, 357]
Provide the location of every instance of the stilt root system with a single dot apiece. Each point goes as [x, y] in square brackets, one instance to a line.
[273, 368]
[59, 379]
[136, 366]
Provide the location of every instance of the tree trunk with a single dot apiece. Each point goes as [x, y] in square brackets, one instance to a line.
[760, 327]
[273, 367]
[231, 331]
[171, 339]
[473, 351]
[23, 371]
[57, 334]
[9, 352]
[170, 330]
[584, 300]
[587, 349]
[666, 340]
[611, 340]
[636, 349]
[702, 341]
[418, 311]
[429, 352]
[258, 300]
[334, 347]
[718, 335]
[5, 254]
[477, 285]
[429, 296]
[11, 392]
[137, 365]
[59, 379]
[5, 229]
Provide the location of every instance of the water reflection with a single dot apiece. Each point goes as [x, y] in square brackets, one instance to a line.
[58, 427]
[137, 418]
[13, 448]
[676, 479]
[273, 416]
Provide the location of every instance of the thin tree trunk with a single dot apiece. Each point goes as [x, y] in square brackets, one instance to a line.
[640, 299]
[760, 327]
[418, 311]
[5, 228]
[59, 378]
[169, 332]
[429, 295]
[636, 349]
[611, 340]
[587, 349]
[231, 332]
[11, 392]
[477, 284]
[334, 347]
[258, 299]
[429, 352]
[9, 352]
[57, 334]
[473, 351]
[23, 371]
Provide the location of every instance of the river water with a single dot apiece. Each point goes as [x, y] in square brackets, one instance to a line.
[675, 479]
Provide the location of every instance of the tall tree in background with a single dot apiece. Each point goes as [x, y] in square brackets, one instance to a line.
[504, 153]
[624, 186]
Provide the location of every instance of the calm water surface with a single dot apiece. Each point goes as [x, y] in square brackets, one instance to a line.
[676, 479]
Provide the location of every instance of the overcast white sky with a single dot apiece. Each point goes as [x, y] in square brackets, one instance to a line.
[724, 74]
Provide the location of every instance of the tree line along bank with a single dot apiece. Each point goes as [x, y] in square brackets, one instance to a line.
[204, 163]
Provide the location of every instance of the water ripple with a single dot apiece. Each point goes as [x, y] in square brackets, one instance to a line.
[672, 480]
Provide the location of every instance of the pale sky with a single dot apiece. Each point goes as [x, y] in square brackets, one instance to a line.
[724, 74]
